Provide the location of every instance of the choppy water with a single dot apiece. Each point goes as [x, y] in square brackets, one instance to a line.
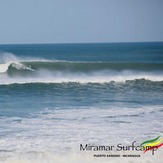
[55, 97]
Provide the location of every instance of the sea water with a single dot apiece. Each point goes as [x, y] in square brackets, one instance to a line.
[54, 97]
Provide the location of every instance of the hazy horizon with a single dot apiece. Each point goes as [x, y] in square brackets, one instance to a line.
[80, 43]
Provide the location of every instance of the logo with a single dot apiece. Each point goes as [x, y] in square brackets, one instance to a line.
[152, 144]
[149, 145]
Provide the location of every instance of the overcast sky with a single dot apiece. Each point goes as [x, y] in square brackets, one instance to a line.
[76, 21]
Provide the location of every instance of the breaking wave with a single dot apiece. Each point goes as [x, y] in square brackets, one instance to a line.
[33, 70]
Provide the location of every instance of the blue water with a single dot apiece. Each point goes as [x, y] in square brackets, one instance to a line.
[46, 89]
[110, 52]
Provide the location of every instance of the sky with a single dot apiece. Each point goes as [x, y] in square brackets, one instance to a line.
[80, 21]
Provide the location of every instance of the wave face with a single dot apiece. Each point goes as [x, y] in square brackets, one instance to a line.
[86, 66]
[33, 70]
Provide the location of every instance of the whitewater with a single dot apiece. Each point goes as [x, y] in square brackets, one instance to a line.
[33, 70]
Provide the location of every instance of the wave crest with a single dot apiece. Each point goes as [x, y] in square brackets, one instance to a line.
[17, 70]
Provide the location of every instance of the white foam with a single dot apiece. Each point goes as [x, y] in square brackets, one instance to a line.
[84, 157]
[11, 58]
[47, 76]
[43, 76]
[5, 60]
[8, 59]
[4, 67]
[55, 135]
[20, 66]
[60, 130]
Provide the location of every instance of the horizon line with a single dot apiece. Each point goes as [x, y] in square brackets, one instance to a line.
[81, 43]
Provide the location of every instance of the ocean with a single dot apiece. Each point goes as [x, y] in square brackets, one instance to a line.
[55, 97]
